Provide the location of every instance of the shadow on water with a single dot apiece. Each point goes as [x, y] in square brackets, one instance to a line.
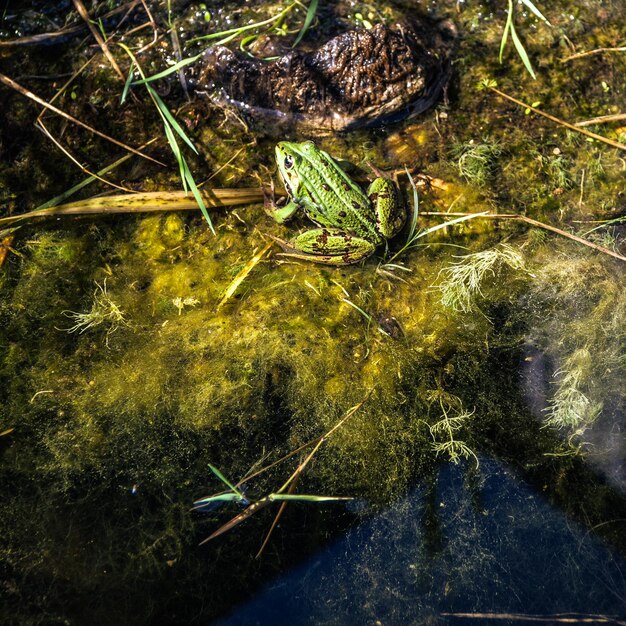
[501, 549]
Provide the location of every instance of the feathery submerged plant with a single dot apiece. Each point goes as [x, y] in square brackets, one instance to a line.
[570, 408]
[103, 311]
[462, 280]
[453, 418]
[476, 160]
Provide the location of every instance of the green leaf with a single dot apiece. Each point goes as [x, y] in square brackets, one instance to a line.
[415, 212]
[305, 498]
[128, 82]
[505, 32]
[170, 118]
[222, 497]
[535, 10]
[310, 15]
[520, 50]
[170, 70]
[197, 195]
[225, 480]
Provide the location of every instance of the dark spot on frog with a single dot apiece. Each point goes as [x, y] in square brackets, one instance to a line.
[356, 205]
[342, 214]
[345, 185]
[325, 186]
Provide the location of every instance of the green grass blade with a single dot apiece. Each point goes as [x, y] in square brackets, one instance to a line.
[365, 314]
[177, 153]
[165, 113]
[520, 50]
[197, 195]
[170, 70]
[505, 32]
[310, 16]
[225, 480]
[129, 80]
[536, 11]
[222, 497]
[305, 498]
[415, 212]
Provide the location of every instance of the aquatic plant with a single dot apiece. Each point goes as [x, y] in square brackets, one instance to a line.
[103, 311]
[509, 27]
[476, 160]
[236, 494]
[452, 419]
[462, 280]
[570, 408]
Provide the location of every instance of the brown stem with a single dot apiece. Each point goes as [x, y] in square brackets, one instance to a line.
[603, 119]
[82, 11]
[580, 55]
[29, 94]
[556, 120]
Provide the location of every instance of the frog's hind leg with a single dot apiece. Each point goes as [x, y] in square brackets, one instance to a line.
[331, 246]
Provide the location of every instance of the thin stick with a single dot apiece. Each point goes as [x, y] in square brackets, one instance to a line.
[82, 168]
[155, 31]
[82, 11]
[29, 94]
[571, 618]
[603, 119]
[312, 442]
[580, 55]
[281, 510]
[610, 142]
[532, 222]
[83, 183]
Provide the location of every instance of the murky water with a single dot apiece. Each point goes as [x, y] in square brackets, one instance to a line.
[486, 460]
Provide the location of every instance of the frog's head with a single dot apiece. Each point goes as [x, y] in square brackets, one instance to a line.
[288, 157]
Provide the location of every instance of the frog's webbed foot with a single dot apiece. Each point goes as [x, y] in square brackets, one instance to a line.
[330, 246]
[279, 213]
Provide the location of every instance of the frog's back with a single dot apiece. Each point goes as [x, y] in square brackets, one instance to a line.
[329, 197]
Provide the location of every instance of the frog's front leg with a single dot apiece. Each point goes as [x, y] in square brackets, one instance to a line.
[331, 246]
[279, 213]
[388, 207]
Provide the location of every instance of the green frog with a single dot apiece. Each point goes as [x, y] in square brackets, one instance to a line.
[352, 224]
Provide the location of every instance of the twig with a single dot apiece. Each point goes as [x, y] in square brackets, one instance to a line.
[74, 160]
[29, 94]
[82, 11]
[559, 618]
[155, 31]
[603, 119]
[580, 55]
[66, 31]
[532, 222]
[610, 142]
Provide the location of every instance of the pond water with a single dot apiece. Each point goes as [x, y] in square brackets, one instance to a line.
[454, 408]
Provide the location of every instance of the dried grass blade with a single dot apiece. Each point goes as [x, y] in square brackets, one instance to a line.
[251, 510]
[241, 276]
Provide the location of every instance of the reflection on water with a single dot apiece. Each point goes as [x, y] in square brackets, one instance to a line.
[492, 545]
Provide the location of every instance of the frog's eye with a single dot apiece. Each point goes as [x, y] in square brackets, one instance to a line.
[288, 162]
